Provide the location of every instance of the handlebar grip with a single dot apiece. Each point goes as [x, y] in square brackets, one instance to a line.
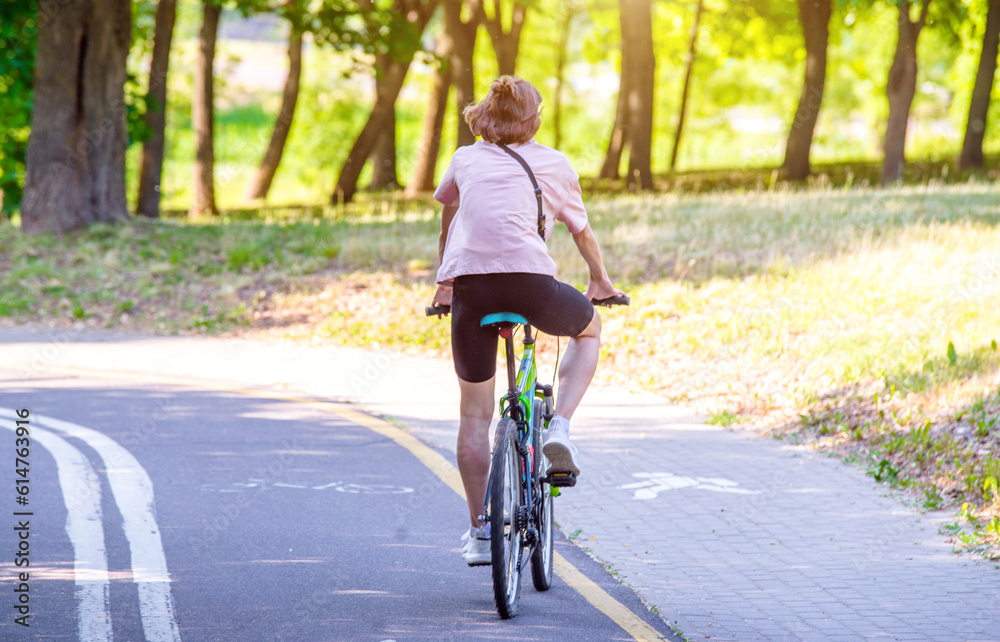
[437, 310]
[612, 300]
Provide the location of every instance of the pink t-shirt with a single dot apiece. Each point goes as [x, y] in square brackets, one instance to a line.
[496, 227]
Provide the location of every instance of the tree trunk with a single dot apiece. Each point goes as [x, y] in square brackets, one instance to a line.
[561, 53]
[637, 36]
[384, 175]
[692, 52]
[387, 91]
[620, 131]
[900, 89]
[260, 184]
[506, 43]
[151, 163]
[814, 15]
[430, 141]
[75, 170]
[203, 114]
[463, 34]
[347, 182]
[975, 128]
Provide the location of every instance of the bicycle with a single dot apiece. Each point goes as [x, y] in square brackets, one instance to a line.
[520, 492]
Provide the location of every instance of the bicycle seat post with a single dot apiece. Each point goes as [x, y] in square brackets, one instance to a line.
[508, 338]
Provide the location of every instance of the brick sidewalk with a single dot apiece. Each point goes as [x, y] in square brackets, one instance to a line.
[731, 536]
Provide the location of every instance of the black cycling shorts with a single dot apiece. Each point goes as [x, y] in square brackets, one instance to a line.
[552, 307]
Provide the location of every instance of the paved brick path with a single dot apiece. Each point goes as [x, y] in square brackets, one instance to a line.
[731, 536]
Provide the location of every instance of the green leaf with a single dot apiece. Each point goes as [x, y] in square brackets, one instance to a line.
[993, 345]
[952, 355]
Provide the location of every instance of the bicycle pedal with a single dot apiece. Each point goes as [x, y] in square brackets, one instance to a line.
[562, 480]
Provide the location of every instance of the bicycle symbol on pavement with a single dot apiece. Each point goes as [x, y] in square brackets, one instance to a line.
[658, 482]
[340, 486]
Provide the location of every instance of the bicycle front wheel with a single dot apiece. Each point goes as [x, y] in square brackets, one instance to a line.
[505, 505]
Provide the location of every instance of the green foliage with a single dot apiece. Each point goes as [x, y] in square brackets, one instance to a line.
[18, 33]
[885, 472]
[724, 418]
[379, 29]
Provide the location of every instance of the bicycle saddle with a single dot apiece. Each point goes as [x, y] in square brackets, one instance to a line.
[502, 317]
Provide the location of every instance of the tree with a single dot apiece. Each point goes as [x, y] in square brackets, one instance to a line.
[463, 30]
[814, 15]
[261, 181]
[979, 106]
[506, 41]
[76, 154]
[619, 131]
[900, 89]
[430, 140]
[384, 176]
[634, 115]
[203, 112]
[151, 163]
[689, 66]
[570, 10]
[406, 23]
[639, 67]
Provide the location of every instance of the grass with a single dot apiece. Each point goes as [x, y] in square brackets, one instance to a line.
[862, 321]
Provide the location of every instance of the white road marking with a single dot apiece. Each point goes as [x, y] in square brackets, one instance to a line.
[343, 487]
[133, 492]
[372, 489]
[658, 482]
[82, 496]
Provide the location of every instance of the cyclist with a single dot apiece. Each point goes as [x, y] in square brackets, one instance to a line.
[494, 260]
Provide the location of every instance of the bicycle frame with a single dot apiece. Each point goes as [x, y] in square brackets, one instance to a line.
[522, 388]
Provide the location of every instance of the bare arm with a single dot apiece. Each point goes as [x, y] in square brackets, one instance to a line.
[600, 286]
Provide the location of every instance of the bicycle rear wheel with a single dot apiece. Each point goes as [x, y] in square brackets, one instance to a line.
[541, 558]
[505, 503]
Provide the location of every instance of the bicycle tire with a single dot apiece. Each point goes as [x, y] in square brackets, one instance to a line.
[505, 538]
[541, 558]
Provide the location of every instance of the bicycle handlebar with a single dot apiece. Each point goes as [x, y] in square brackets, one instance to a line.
[442, 310]
[437, 310]
[612, 300]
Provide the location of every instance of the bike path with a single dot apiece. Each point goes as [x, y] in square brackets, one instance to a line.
[278, 520]
[729, 535]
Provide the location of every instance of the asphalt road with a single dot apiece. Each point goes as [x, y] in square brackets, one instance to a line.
[227, 516]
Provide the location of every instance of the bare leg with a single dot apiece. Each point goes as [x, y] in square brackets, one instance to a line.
[578, 367]
[476, 412]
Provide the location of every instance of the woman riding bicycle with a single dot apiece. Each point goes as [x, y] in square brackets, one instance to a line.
[493, 259]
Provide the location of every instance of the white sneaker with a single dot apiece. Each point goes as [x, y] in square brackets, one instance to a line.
[558, 449]
[476, 547]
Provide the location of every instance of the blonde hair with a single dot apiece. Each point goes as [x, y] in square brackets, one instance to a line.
[508, 113]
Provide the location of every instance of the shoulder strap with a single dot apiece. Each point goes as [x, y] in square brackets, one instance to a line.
[534, 183]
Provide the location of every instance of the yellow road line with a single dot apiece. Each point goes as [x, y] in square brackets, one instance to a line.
[602, 600]
[442, 468]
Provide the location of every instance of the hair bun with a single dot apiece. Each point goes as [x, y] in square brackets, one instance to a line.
[508, 113]
[504, 88]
